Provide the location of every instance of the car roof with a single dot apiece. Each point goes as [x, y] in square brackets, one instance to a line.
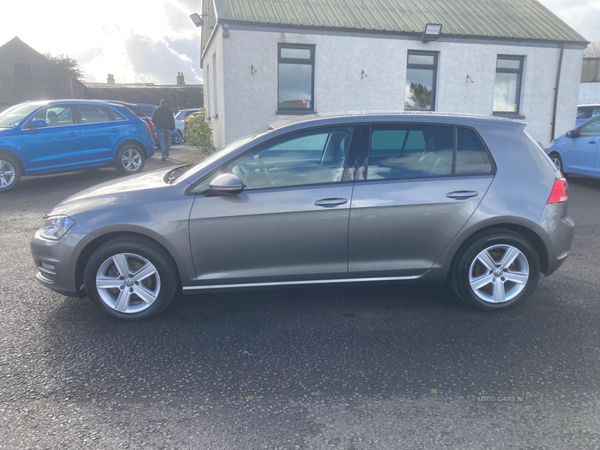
[590, 105]
[394, 116]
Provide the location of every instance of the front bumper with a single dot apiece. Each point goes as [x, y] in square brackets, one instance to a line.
[56, 262]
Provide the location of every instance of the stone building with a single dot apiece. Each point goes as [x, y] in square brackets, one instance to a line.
[26, 74]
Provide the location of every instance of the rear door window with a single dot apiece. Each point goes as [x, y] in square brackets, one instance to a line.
[98, 114]
[410, 151]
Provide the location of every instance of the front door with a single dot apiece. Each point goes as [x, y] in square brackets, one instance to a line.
[57, 146]
[411, 198]
[290, 223]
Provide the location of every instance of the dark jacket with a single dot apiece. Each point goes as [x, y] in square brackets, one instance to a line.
[163, 118]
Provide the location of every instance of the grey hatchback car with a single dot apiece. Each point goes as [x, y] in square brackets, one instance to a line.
[342, 199]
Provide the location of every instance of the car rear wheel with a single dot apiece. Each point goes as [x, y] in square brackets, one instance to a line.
[557, 160]
[130, 159]
[10, 173]
[177, 137]
[130, 279]
[498, 270]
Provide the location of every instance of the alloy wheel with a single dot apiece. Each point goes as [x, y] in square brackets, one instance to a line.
[557, 162]
[499, 273]
[7, 173]
[131, 159]
[128, 283]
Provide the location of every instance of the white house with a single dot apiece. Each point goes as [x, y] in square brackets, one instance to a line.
[266, 60]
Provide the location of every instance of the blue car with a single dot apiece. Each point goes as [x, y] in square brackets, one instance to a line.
[585, 113]
[577, 151]
[38, 138]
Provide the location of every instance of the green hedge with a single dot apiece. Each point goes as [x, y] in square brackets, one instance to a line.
[198, 132]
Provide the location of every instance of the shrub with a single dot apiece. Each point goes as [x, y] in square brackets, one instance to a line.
[198, 132]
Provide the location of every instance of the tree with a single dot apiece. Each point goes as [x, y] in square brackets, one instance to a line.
[69, 65]
[420, 96]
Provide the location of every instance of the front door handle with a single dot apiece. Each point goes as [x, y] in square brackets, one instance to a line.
[592, 142]
[114, 130]
[462, 195]
[331, 202]
[73, 134]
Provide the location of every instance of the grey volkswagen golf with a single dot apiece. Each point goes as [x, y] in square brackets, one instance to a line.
[342, 199]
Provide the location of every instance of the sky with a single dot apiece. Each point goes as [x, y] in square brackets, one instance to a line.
[150, 41]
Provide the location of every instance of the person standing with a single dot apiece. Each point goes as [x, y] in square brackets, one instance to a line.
[164, 121]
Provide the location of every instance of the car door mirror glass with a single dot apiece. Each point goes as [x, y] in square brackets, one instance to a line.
[227, 184]
[39, 123]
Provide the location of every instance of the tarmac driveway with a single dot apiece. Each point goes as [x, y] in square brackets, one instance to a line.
[359, 367]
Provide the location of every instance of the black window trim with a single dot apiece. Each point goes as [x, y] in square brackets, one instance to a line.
[366, 151]
[311, 61]
[433, 67]
[519, 72]
[356, 134]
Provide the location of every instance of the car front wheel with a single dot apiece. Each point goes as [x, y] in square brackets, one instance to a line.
[130, 159]
[10, 173]
[177, 137]
[498, 270]
[130, 279]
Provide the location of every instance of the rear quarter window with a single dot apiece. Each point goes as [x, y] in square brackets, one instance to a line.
[472, 157]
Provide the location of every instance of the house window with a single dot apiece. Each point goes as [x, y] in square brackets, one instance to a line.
[214, 85]
[507, 92]
[22, 72]
[296, 79]
[421, 79]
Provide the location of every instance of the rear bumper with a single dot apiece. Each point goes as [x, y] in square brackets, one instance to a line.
[557, 229]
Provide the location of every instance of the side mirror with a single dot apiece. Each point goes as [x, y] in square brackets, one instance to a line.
[570, 134]
[39, 123]
[226, 184]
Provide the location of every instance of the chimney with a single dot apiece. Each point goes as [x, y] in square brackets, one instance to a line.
[180, 78]
[110, 79]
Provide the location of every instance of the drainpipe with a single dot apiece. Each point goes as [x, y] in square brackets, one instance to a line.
[560, 60]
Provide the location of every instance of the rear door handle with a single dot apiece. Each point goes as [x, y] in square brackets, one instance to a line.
[592, 142]
[331, 202]
[73, 134]
[114, 130]
[462, 195]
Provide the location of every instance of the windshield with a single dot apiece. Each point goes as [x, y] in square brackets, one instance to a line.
[13, 116]
[224, 151]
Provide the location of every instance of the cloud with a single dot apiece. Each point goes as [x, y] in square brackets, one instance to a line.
[582, 15]
[154, 59]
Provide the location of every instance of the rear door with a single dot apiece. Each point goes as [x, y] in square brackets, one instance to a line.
[101, 128]
[57, 146]
[414, 192]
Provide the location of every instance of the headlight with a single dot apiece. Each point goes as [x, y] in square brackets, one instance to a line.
[55, 227]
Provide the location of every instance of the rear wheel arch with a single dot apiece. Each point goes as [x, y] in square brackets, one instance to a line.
[135, 142]
[531, 236]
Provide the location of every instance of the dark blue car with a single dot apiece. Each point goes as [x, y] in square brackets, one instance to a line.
[45, 137]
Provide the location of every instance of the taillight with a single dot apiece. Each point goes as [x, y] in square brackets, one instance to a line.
[560, 191]
[148, 128]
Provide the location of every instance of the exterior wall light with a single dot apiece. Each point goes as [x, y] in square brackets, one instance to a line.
[197, 19]
[225, 30]
[432, 32]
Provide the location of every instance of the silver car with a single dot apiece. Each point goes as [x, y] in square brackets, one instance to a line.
[344, 199]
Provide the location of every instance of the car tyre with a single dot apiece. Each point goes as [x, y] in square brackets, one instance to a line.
[558, 162]
[497, 270]
[177, 139]
[130, 159]
[131, 278]
[10, 173]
